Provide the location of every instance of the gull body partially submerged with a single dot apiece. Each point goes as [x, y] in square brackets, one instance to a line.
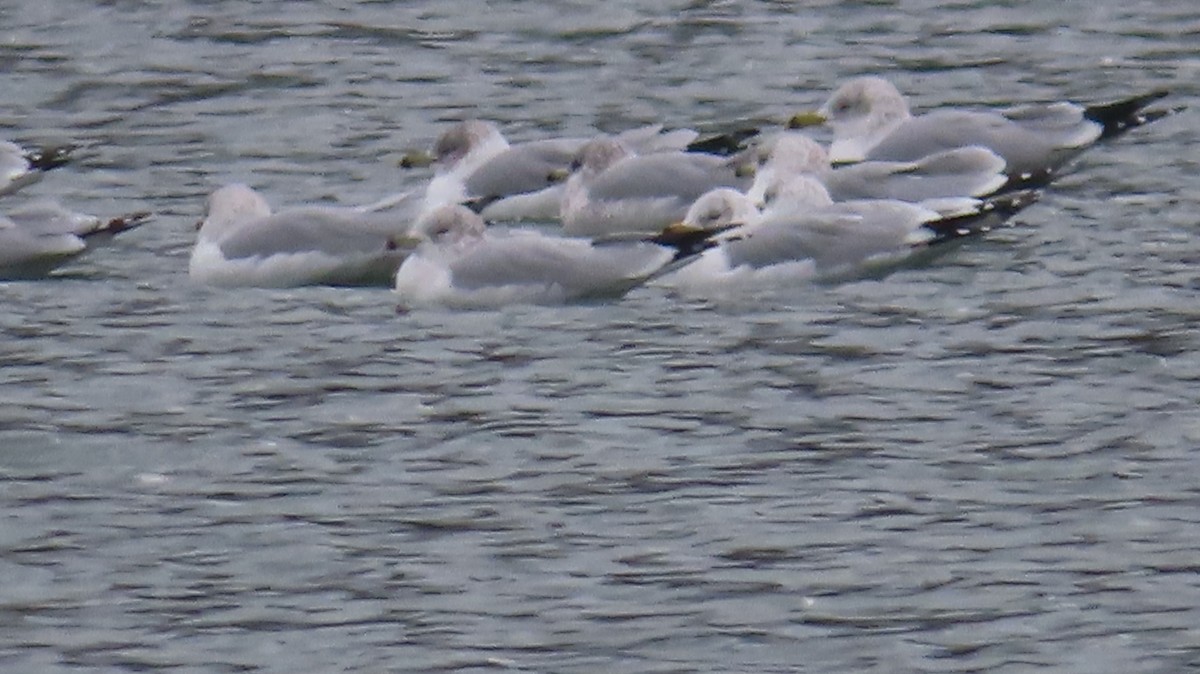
[463, 264]
[242, 242]
[871, 119]
[38, 238]
[804, 235]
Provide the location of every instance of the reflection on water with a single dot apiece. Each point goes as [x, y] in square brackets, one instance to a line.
[981, 464]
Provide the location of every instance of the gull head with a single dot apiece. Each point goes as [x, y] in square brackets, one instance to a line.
[598, 154]
[229, 207]
[793, 192]
[467, 144]
[720, 209]
[449, 224]
[861, 113]
[792, 152]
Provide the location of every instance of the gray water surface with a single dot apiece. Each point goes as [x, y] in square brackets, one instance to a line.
[987, 463]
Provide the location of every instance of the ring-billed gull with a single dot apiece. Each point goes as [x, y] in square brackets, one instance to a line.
[804, 235]
[39, 237]
[870, 119]
[616, 191]
[241, 242]
[465, 265]
[20, 167]
[961, 172]
[511, 182]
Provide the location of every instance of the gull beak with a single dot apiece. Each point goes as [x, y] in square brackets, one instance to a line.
[558, 175]
[680, 228]
[808, 118]
[416, 159]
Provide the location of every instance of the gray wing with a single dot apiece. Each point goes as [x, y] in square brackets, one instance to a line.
[669, 174]
[962, 172]
[576, 266]
[302, 230]
[653, 138]
[14, 169]
[1064, 121]
[25, 254]
[1024, 149]
[523, 168]
[52, 218]
[832, 238]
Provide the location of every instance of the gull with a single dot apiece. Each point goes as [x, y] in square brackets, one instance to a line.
[973, 172]
[464, 264]
[804, 235]
[870, 119]
[40, 237]
[20, 167]
[614, 191]
[475, 165]
[242, 242]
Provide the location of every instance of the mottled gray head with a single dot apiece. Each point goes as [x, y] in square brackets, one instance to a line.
[793, 152]
[448, 224]
[794, 192]
[721, 208]
[231, 206]
[598, 154]
[465, 138]
[861, 113]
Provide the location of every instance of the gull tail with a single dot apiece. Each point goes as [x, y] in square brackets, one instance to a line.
[724, 144]
[688, 242]
[477, 204]
[1120, 116]
[1029, 180]
[992, 213]
[115, 226]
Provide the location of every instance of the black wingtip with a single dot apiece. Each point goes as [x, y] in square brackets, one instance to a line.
[686, 241]
[724, 144]
[479, 203]
[994, 212]
[1029, 180]
[1008, 205]
[49, 157]
[122, 223]
[1120, 116]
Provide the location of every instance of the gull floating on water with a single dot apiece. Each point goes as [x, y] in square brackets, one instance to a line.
[20, 167]
[241, 242]
[962, 172]
[476, 165]
[870, 119]
[463, 264]
[39, 237]
[804, 235]
[615, 191]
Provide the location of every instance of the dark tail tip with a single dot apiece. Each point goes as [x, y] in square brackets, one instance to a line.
[1008, 205]
[479, 203]
[1120, 116]
[124, 223]
[686, 241]
[724, 144]
[1030, 180]
[994, 212]
[49, 157]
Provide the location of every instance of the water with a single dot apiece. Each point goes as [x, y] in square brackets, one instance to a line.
[983, 464]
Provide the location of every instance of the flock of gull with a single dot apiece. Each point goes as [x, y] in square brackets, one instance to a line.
[577, 219]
